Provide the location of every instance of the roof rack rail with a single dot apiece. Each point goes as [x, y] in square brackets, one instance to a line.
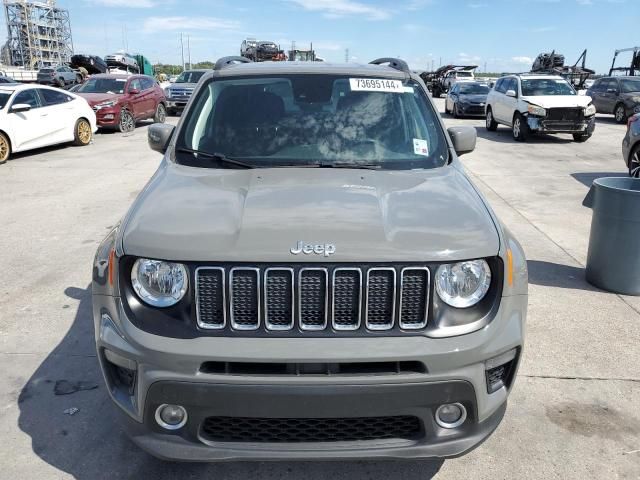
[225, 62]
[393, 63]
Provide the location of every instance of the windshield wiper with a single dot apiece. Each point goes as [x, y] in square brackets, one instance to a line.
[218, 157]
[366, 166]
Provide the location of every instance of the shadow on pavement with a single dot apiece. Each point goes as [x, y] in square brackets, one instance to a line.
[550, 274]
[587, 178]
[90, 443]
[504, 135]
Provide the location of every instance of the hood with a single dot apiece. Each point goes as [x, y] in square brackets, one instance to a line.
[633, 97]
[96, 98]
[474, 98]
[259, 215]
[559, 101]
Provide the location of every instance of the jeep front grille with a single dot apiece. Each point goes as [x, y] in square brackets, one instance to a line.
[312, 299]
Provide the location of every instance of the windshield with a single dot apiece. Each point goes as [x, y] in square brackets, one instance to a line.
[538, 87]
[189, 77]
[473, 89]
[630, 86]
[314, 120]
[103, 85]
[4, 98]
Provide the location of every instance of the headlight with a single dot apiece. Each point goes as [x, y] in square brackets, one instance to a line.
[537, 111]
[158, 283]
[590, 110]
[636, 109]
[167, 92]
[463, 284]
[108, 104]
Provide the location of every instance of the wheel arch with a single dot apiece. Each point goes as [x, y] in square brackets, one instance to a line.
[6, 134]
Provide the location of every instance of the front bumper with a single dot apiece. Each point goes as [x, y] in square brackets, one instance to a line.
[177, 102]
[108, 117]
[169, 370]
[469, 110]
[542, 125]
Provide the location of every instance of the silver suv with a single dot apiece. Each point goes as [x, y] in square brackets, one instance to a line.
[310, 274]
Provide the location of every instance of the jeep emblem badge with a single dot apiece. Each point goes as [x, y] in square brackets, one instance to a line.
[317, 249]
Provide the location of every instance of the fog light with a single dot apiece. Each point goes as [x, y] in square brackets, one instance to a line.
[171, 417]
[451, 415]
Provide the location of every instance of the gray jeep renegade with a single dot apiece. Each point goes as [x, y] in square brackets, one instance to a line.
[310, 274]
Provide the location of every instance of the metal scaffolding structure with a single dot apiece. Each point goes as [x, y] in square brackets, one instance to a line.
[39, 34]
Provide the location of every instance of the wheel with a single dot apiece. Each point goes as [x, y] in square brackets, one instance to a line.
[127, 122]
[5, 148]
[60, 82]
[520, 128]
[161, 114]
[581, 137]
[82, 133]
[620, 113]
[634, 161]
[492, 125]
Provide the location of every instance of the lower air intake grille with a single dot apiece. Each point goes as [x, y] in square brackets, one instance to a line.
[296, 430]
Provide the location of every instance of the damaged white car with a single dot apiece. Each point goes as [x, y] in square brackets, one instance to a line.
[539, 104]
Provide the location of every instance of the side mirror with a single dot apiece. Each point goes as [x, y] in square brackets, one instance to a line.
[511, 93]
[134, 91]
[463, 139]
[20, 107]
[159, 135]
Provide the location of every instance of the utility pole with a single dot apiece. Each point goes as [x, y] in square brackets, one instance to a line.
[182, 50]
[346, 55]
[189, 50]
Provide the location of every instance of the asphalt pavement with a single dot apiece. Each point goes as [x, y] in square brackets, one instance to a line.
[575, 408]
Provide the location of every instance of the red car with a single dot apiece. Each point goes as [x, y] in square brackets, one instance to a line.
[121, 100]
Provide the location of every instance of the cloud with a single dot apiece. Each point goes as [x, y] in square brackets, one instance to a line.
[343, 8]
[522, 59]
[126, 3]
[159, 24]
[418, 4]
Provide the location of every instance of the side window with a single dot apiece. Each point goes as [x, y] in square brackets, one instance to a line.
[608, 84]
[135, 85]
[597, 85]
[53, 97]
[501, 85]
[147, 83]
[29, 97]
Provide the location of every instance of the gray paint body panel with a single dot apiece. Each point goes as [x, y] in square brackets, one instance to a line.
[199, 214]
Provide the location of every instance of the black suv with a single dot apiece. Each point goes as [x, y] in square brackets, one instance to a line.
[617, 95]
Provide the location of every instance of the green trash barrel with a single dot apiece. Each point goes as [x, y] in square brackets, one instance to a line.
[613, 261]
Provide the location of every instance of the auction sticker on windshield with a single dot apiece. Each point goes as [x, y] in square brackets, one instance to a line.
[375, 85]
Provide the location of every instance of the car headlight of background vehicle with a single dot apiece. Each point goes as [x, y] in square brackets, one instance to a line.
[590, 110]
[537, 111]
[463, 284]
[159, 283]
[167, 92]
[110, 103]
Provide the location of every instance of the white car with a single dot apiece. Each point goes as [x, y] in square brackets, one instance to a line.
[34, 116]
[529, 103]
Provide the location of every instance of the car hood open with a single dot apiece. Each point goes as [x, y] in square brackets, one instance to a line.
[559, 101]
[259, 215]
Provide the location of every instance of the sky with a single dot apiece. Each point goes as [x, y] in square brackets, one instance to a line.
[499, 35]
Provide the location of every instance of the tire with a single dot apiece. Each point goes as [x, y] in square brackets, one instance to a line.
[5, 148]
[519, 128]
[60, 82]
[581, 137]
[82, 133]
[127, 123]
[161, 113]
[634, 162]
[620, 113]
[491, 124]
[436, 92]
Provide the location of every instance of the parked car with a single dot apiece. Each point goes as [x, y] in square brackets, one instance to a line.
[4, 79]
[459, 74]
[92, 63]
[266, 51]
[248, 48]
[534, 103]
[122, 61]
[122, 100]
[34, 116]
[380, 314]
[631, 146]
[467, 98]
[179, 93]
[619, 96]
[60, 76]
